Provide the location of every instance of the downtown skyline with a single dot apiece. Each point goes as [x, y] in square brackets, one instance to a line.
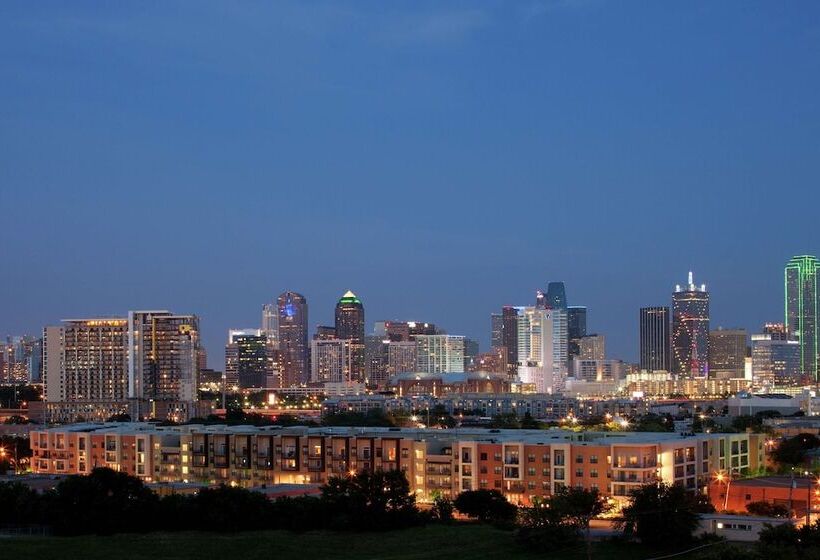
[449, 160]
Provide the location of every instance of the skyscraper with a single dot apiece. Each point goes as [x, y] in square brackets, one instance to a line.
[576, 329]
[401, 357]
[509, 336]
[331, 360]
[163, 361]
[802, 306]
[496, 330]
[293, 338]
[592, 347]
[775, 360]
[270, 323]
[350, 327]
[542, 347]
[440, 353]
[654, 334]
[249, 359]
[556, 296]
[576, 321]
[727, 353]
[690, 330]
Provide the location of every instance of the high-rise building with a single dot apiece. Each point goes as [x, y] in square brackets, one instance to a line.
[401, 357]
[270, 323]
[509, 336]
[86, 360]
[325, 332]
[542, 347]
[655, 339]
[496, 330]
[778, 331]
[145, 364]
[690, 330]
[293, 338]
[802, 307]
[470, 353]
[350, 327]
[775, 361]
[576, 321]
[163, 361]
[494, 361]
[556, 296]
[439, 353]
[598, 370]
[34, 362]
[331, 360]
[592, 347]
[727, 353]
[576, 329]
[376, 360]
[249, 360]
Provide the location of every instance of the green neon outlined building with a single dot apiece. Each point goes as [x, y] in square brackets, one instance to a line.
[801, 305]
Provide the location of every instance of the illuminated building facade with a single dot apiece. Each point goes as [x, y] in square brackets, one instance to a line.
[802, 306]
[727, 353]
[439, 353]
[690, 330]
[350, 326]
[293, 338]
[655, 339]
[521, 464]
[331, 360]
[249, 360]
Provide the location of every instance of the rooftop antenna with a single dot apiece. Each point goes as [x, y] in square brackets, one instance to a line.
[690, 278]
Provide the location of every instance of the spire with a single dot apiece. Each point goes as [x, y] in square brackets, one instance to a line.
[690, 278]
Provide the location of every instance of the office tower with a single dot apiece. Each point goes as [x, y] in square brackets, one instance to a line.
[470, 353]
[34, 363]
[509, 336]
[331, 360]
[776, 360]
[439, 353]
[802, 306]
[576, 329]
[163, 350]
[86, 360]
[556, 296]
[690, 330]
[592, 347]
[375, 360]
[350, 326]
[542, 347]
[202, 358]
[270, 323]
[496, 330]
[249, 360]
[293, 338]
[727, 353]
[655, 339]
[576, 321]
[401, 357]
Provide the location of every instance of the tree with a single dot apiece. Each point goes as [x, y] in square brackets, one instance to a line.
[508, 421]
[442, 509]
[529, 423]
[104, 502]
[577, 507]
[660, 515]
[370, 500]
[792, 451]
[229, 509]
[765, 509]
[542, 528]
[489, 506]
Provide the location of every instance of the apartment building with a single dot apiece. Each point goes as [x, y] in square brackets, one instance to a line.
[522, 464]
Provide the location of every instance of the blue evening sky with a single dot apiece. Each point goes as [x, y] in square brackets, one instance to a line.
[440, 159]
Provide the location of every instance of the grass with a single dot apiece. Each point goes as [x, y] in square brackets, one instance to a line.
[469, 541]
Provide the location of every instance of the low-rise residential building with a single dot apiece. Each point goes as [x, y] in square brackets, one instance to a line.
[522, 464]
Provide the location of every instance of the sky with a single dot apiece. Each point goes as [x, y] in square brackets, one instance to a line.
[440, 159]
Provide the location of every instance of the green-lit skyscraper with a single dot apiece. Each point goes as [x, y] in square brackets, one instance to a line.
[802, 304]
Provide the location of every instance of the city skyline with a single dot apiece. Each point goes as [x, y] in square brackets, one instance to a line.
[145, 165]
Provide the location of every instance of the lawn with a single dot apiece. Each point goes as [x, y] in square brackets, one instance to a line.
[461, 541]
